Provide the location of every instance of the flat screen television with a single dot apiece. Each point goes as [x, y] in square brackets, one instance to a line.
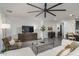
[77, 25]
[27, 29]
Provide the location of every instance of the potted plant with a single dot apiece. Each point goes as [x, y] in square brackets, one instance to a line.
[43, 28]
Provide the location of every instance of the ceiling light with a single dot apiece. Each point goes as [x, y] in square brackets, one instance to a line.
[70, 14]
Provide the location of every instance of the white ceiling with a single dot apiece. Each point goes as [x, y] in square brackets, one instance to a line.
[21, 9]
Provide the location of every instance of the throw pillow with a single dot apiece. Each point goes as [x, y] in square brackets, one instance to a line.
[12, 42]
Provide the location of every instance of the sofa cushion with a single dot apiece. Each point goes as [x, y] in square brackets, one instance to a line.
[12, 42]
[20, 52]
[64, 52]
[51, 52]
[66, 42]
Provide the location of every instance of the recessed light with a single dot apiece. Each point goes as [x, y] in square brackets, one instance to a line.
[71, 15]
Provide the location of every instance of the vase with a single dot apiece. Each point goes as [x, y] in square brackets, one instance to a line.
[42, 39]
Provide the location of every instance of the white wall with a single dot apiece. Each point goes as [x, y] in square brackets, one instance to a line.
[17, 22]
[2, 20]
[1, 42]
[69, 26]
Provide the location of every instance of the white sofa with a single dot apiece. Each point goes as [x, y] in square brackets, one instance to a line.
[19, 52]
[51, 52]
[55, 51]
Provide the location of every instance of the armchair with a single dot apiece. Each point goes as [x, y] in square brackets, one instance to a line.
[8, 46]
[70, 36]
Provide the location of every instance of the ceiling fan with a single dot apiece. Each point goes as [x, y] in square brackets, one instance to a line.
[46, 10]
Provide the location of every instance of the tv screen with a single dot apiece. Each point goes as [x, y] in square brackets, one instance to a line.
[27, 29]
[77, 25]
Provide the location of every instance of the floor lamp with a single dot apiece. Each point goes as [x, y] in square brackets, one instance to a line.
[5, 27]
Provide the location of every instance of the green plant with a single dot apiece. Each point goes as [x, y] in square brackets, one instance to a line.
[43, 28]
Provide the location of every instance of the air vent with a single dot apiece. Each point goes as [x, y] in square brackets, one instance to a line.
[9, 11]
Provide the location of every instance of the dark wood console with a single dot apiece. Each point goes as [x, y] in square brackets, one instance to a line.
[27, 36]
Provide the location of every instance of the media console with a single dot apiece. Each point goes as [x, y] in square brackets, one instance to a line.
[28, 36]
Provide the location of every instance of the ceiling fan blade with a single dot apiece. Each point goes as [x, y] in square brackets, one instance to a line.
[58, 10]
[38, 14]
[45, 8]
[34, 6]
[51, 13]
[55, 5]
[33, 11]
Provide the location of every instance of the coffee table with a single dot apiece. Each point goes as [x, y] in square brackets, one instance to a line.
[39, 47]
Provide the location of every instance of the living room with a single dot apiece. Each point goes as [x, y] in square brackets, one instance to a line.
[17, 17]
